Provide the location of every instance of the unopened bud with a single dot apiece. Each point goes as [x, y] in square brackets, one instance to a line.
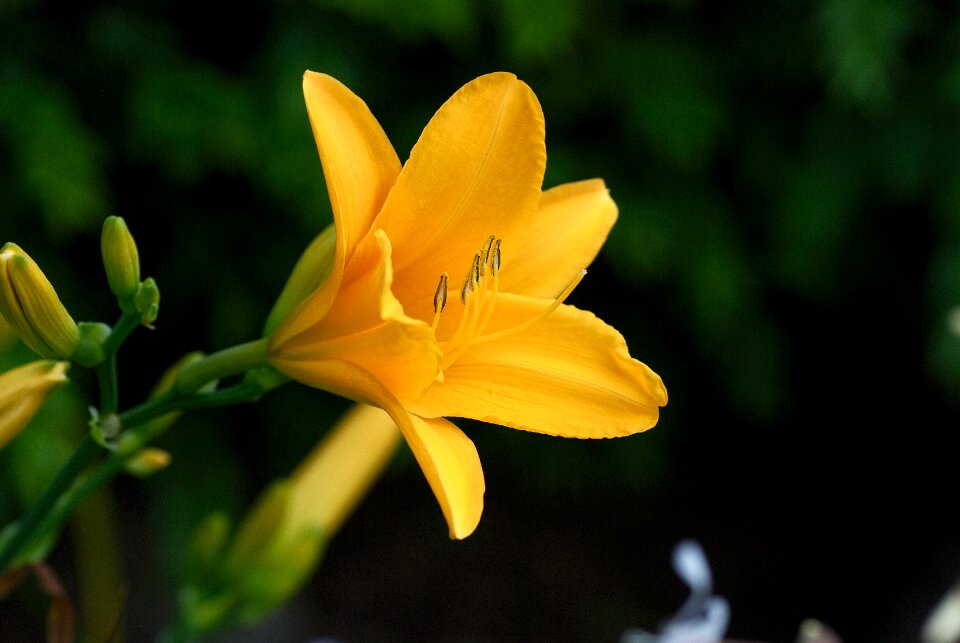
[148, 301]
[147, 462]
[121, 262]
[23, 391]
[31, 306]
[89, 351]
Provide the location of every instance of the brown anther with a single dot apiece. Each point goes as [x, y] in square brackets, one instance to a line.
[440, 297]
[472, 280]
[495, 264]
[486, 253]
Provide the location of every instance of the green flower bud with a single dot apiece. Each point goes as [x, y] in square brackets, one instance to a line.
[121, 262]
[147, 462]
[206, 546]
[89, 351]
[147, 301]
[311, 270]
[272, 554]
[31, 306]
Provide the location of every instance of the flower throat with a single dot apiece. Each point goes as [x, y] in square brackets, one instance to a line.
[478, 296]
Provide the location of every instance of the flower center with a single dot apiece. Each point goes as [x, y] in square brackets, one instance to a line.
[478, 296]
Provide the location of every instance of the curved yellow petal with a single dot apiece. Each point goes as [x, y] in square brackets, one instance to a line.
[452, 466]
[554, 244]
[360, 166]
[568, 374]
[23, 390]
[447, 457]
[476, 169]
[365, 325]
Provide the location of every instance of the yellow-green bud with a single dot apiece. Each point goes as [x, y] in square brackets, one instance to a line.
[89, 350]
[31, 306]
[23, 391]
[147, 462]
[206, 545]
[311, 270]
[121, 262]
[148, 301]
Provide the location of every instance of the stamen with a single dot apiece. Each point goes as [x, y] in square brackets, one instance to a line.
[486, 252]
[530, 322]
[493, 259]
[439, 300]
[472, 280]
[495, 265]
[440, 297]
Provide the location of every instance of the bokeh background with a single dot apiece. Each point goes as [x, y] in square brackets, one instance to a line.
[787, 258]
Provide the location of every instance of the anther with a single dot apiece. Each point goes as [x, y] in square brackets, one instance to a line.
[472, 280]
[440, 297]
[495, 264]
[486, 252]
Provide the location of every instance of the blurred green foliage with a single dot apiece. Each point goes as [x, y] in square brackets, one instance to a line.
[782, 169]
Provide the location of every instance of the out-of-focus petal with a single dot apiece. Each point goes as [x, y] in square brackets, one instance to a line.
[330, 482]
[23, 390]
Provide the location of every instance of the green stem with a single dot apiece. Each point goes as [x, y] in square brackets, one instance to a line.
[230, 361]
[83, 456]
[127, 323]
[107, 371]
[59, 501]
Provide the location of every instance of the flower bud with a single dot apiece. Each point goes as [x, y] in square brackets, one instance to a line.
[121, 262]
[23, 391]
[147, 462]
[280, 541]
[147, 301]
[89, 351]
[31, 306]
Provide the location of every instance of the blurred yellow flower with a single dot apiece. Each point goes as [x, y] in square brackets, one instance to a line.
[23, 391]
[378, 328]
[280, 540]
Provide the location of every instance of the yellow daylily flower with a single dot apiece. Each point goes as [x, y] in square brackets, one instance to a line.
[381, 328]
[23, 390]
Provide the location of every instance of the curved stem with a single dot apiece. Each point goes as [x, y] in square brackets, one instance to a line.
[81, 458]
[230, 361]
[107, 371]
[127, 323]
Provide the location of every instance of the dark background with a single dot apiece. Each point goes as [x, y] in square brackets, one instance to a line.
[787, 258]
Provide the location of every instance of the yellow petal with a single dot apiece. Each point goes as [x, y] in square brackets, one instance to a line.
[553, 245]
[23, 390]
[366, 326]
[447, 456]
[477, 167]
[360, 166]
[568, 374]
[452, 466]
